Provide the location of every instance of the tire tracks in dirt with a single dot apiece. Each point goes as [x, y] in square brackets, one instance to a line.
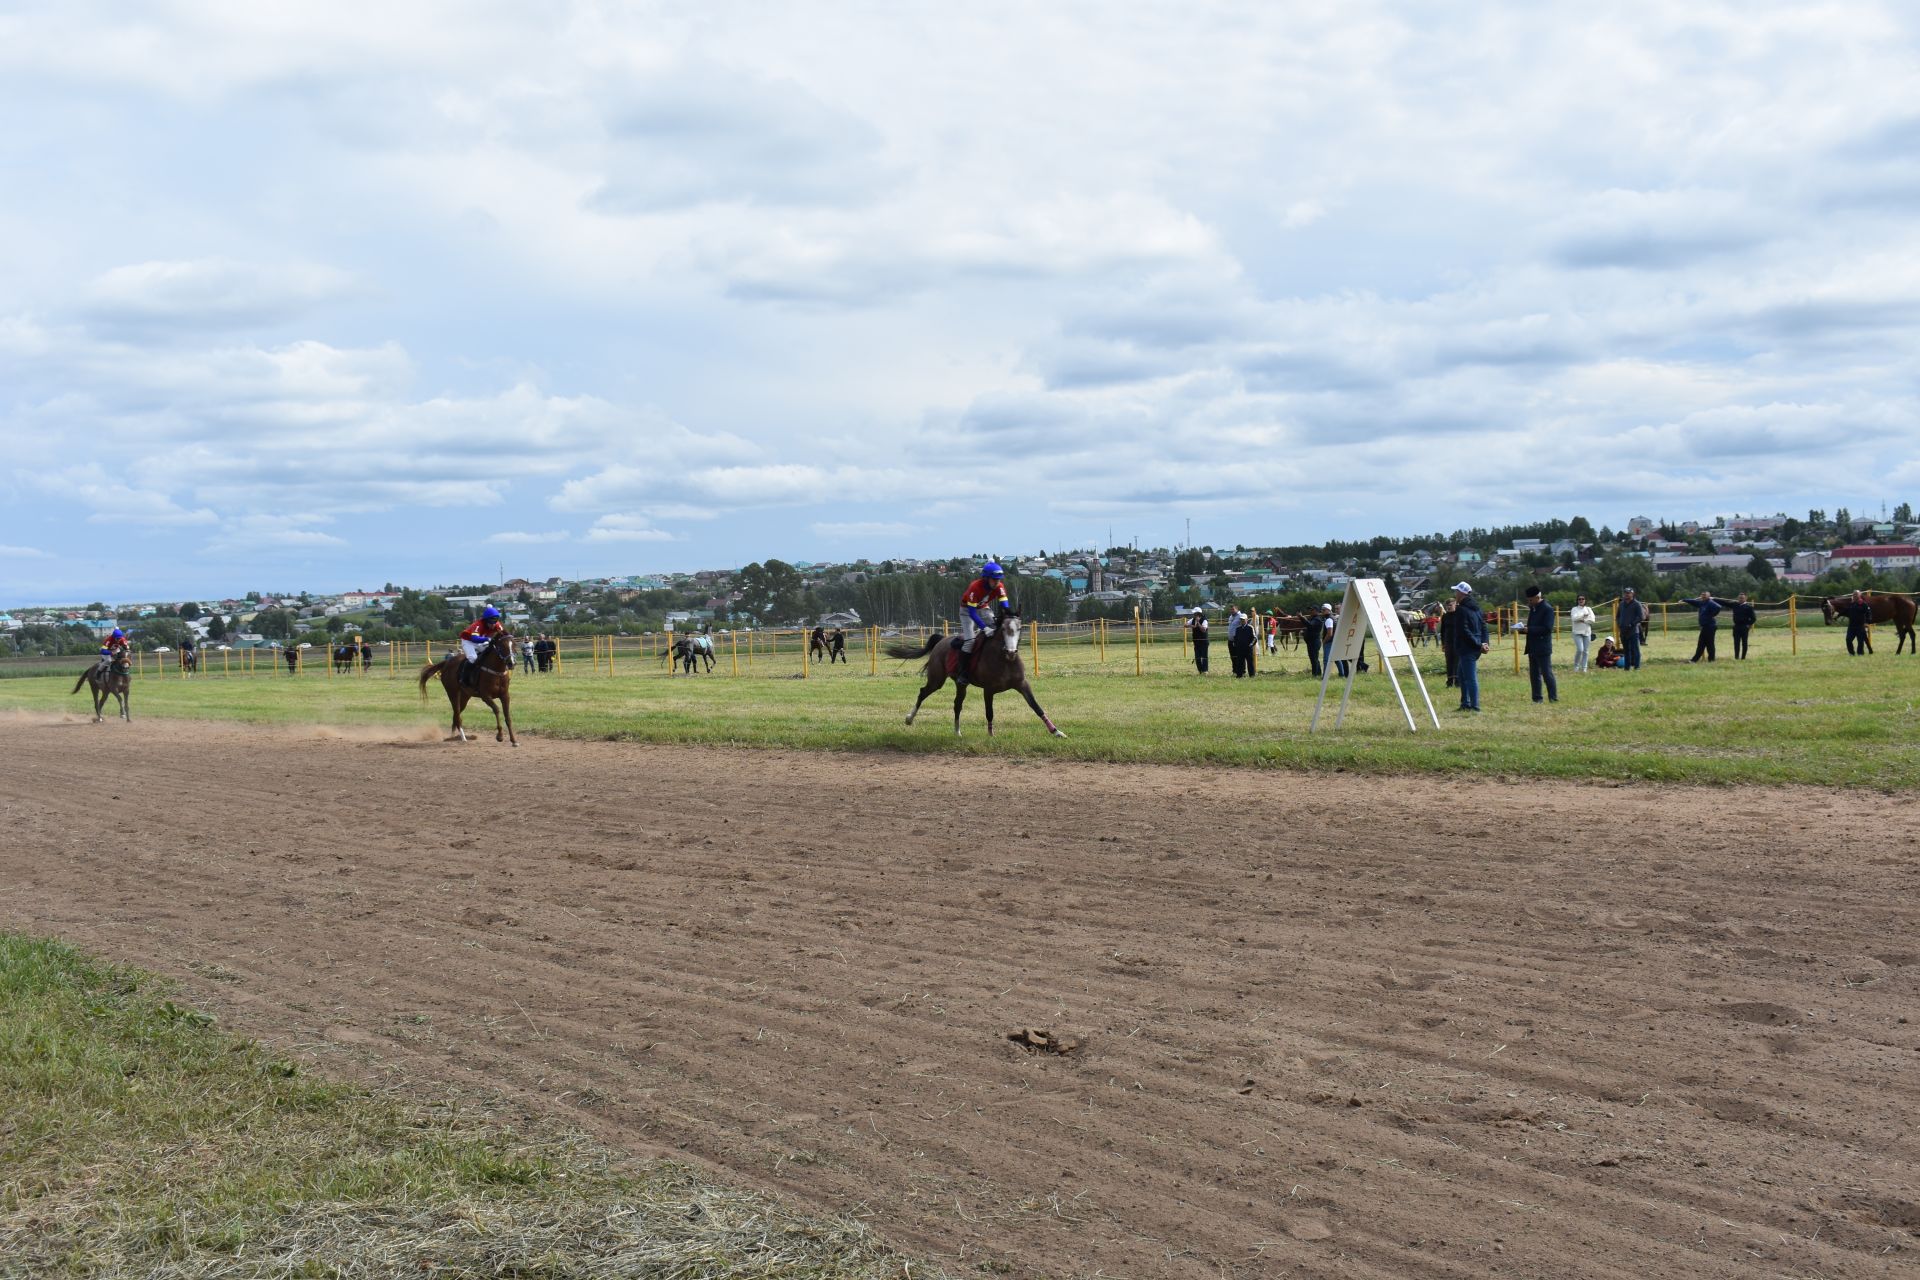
[1328, 1025]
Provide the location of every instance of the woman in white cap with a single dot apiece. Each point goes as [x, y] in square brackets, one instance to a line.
[1197, 626]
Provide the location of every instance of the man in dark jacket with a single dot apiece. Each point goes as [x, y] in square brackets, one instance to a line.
[1450, 639]
[1470, 642]
[1540, 624]
[1858, 611]
[1633, 616]
[1744, 617]
[1709, 610]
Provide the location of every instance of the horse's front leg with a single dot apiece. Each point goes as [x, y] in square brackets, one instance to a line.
[506, 709]
[1026, 691]
[987, 698]
[499, 734]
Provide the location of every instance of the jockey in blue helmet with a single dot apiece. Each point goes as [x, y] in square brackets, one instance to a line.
[114, 648]
[988, 591]
[480, 633]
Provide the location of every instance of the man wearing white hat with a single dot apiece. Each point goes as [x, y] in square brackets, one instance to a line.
[1471, 642]
[1197, 628]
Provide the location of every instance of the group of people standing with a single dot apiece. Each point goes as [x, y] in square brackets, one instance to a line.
[1635, 615]
[538, 654]
[1243, 640]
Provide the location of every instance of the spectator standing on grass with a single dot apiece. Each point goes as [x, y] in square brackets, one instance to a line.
[1858, 612]
[1197, 630]
[1242, 640]
[1582, 619]
[1633, 617]
[1539, 628]
[1236, 623]
[1450, 639]
[1743, 619]
[1310, 626]
[1709, 611]
[1470, 642]
[526, 659]
[1328, 621]
[292, 655]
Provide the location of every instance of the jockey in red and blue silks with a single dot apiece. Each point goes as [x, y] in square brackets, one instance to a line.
[480, 633]
[988, 591]
[114, 648]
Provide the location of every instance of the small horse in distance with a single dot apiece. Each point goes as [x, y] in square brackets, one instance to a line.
[189, 662]
[492, 671]
[115, 680]
[1899, 610]
[996, 669]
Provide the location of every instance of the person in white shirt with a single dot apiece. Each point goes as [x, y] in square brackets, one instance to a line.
[1582, 617]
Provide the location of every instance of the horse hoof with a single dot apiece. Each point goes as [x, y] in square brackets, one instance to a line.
[1059, 733]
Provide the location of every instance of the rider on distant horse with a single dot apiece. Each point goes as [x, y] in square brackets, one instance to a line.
[987, 591]
[477, 637]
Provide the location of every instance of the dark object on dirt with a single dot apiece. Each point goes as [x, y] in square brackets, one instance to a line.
[1034, 1040]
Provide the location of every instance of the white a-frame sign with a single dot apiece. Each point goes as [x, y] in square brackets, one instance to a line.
[1369, 608]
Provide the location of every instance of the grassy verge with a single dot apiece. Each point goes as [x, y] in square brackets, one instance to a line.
[1819, 717]
[136, 1139]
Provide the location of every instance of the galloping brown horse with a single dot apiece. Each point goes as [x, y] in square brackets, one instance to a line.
[1899, 610]
[114, 680]
[495, 668]
[996, 669]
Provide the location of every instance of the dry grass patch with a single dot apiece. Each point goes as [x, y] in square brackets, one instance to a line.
[138, 1139]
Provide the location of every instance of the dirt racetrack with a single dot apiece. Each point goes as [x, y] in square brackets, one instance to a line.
[1327, 1026]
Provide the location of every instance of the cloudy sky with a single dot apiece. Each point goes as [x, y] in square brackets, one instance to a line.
[404, 291]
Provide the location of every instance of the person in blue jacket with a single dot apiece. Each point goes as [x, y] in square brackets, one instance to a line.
[1709, 610]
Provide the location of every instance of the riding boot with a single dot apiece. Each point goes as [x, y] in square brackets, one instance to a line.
[960, 669]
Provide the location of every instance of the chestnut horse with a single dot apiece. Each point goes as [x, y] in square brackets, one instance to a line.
[495, 668]
[1899, 610]
[106, 680]
[996, 669]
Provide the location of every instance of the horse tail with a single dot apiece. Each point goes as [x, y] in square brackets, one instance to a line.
[427, 673]
[77, 683]
[906, 650]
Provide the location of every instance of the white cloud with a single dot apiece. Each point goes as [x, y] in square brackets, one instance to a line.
[210, 293]
[518, 538]
[626, 528]
[10, 552]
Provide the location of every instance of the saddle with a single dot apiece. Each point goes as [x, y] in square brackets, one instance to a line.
[960, 663]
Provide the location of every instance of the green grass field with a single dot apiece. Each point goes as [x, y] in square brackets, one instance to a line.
[140, 1140]
[1818, 717]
